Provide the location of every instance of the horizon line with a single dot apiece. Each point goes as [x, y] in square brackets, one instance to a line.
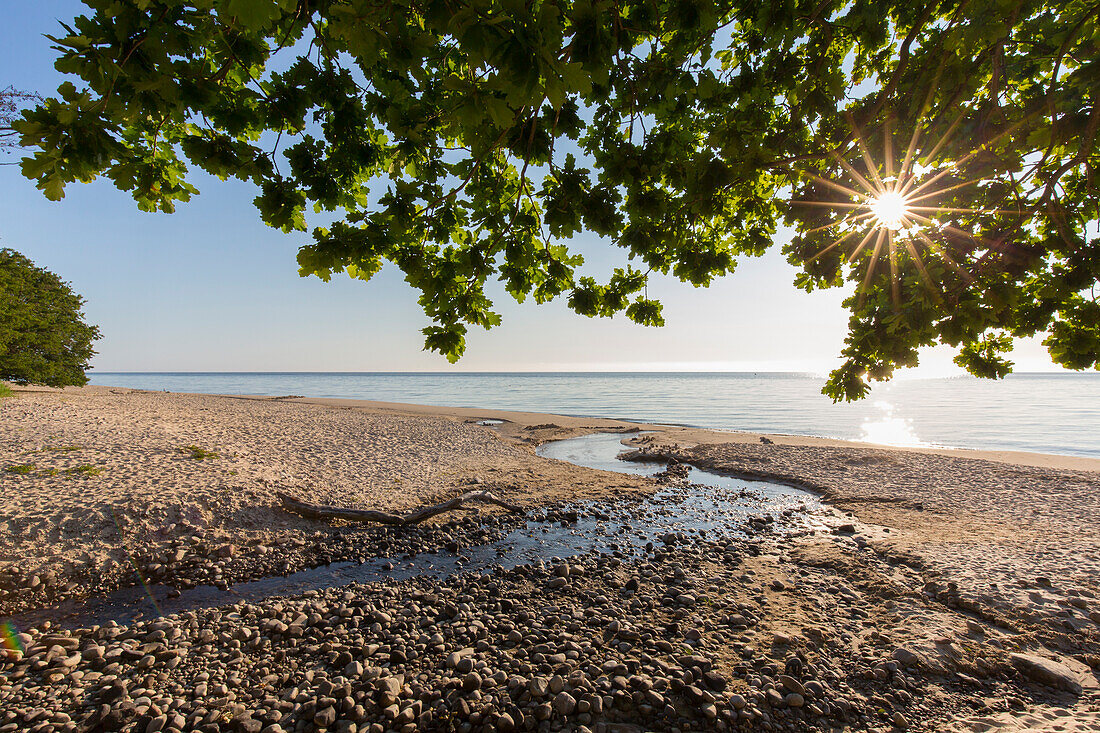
[809, 372]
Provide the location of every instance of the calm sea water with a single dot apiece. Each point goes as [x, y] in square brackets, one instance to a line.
[1047, 413]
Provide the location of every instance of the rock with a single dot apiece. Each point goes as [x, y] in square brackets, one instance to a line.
[325, 718]
[455, 657]
[738, 702]
[715, 681]
[908, 657]
[899, 720]
[794, 700]
[1047, 672]
[471, 682]
[792, 684]
[565, 703]
[390, 685]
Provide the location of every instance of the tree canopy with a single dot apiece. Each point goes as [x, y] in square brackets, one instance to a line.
[43, 336]
[939, 158]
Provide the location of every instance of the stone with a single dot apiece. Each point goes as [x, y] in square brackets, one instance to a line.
[565, 703]
[715, 681]
[471, 682]
[792, 684]
[455, 657]
[908, 657]
[389, 685]
[1047, 672]
[794, 700]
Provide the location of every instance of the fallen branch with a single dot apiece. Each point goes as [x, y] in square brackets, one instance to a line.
[320, 511]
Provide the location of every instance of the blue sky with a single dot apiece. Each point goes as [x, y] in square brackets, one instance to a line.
[210, 288]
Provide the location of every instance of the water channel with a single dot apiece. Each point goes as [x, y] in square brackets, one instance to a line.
[709, 505]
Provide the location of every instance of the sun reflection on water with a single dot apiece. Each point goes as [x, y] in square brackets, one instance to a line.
[889, 429]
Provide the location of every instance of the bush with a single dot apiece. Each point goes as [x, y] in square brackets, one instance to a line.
[43, 336]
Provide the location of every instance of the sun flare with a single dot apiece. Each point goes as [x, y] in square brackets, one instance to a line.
[889, 209]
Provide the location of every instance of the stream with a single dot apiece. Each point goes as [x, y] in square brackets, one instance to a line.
[710, 505]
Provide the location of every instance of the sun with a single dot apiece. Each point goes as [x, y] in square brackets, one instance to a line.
[889, 209]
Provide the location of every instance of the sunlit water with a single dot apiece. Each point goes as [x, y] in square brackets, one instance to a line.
[1047, 413]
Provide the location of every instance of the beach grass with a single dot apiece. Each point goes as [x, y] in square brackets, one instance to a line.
[199, 454]
[84, 470]
[5, 391]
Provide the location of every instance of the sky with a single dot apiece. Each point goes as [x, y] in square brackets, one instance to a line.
[211, 288]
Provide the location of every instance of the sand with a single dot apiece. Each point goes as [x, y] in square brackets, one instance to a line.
[110, 473]
[100, 476]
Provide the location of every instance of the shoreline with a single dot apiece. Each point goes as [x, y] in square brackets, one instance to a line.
[939, 590]
[683, 433]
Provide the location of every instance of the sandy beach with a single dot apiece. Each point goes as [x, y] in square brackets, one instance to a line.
[932, 590]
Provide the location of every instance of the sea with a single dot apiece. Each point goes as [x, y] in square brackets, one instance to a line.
[1040, 412]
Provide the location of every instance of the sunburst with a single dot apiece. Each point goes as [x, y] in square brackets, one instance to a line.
[893, 213]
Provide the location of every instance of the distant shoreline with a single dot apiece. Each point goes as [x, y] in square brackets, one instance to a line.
[1034, 412]
[517, 421]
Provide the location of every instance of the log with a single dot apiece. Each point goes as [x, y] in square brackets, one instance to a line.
[321, 511]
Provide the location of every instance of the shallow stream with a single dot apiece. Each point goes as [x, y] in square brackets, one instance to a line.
[711, 505]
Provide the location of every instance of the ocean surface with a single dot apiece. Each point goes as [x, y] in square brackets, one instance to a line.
[1045, 413]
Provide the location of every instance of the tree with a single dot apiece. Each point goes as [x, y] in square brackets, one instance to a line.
[43, 336]
[936, 158]
[11, 102]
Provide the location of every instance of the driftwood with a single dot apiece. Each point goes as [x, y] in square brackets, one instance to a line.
[320, 511]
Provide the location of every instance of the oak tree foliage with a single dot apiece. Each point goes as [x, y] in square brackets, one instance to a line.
[43, 336]
[469, 140]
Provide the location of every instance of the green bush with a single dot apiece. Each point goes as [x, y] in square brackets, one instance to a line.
[43, 336]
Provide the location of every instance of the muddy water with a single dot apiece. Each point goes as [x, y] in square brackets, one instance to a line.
[710, 505]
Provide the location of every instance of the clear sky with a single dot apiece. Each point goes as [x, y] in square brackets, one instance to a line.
[210, 288]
